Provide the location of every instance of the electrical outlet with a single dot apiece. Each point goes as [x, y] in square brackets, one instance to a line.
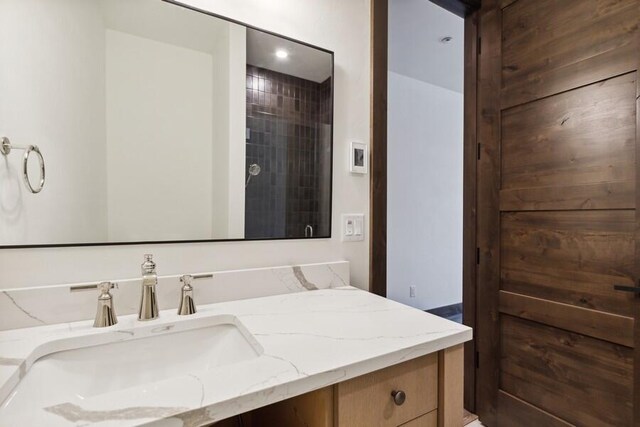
[412, 291]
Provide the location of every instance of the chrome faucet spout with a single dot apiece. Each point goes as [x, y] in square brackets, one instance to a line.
[148, 301]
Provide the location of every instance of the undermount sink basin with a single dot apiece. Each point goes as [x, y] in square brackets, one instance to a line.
[85, 372]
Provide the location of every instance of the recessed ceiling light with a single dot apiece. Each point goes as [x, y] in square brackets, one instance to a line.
[446, 39]
[280, 53]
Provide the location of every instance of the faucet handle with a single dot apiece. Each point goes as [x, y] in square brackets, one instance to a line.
[105, 315]
[187, 306]
[105, 287]
[148, 266]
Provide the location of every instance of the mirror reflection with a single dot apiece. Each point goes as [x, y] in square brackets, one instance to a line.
[159, 123]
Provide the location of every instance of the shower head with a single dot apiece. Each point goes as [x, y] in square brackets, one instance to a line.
[254, 169]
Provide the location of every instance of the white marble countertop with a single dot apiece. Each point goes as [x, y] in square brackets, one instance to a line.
[308, 340]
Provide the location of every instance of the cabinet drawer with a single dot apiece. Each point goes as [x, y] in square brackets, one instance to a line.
[427, 420]
[367, 400]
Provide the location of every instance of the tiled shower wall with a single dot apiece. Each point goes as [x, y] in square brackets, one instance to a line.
[289, 136]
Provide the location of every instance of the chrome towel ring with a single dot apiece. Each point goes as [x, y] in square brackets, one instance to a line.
[5, 149]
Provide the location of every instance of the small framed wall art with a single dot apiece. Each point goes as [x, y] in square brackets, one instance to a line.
[359, 158]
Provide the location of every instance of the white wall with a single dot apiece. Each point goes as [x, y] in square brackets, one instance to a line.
[237, 130]
[61, 111]
[342, 26]
[159, 134]
[229, 111]
[221, 167]
[425, 153]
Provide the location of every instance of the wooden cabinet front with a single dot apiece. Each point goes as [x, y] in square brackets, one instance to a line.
[368, 400]
[432, 388]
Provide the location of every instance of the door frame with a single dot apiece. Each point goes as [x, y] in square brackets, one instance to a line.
[378, 177]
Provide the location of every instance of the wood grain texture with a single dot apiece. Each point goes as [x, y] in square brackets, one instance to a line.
[378, 179]
[583, 136]
[636, 372]
[427, 420]
[469, 204]
[596, 324]
[604, 195]
[450, 386]
[314, 409]
[572, 257]
[557, 224]
[550, 46]
[517, 412]
[488, 210]
[587, 381]
[505, 3]
[367, 401]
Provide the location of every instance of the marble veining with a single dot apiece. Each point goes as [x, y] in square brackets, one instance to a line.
[25, 312]
[307, 340]
[75, 413]
[297, 271]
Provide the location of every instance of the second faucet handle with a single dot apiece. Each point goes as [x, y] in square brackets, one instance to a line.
[187, 306]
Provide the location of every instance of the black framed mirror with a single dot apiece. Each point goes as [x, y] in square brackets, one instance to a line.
[160, 123]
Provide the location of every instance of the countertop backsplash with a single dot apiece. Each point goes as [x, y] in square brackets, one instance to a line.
[28, 307]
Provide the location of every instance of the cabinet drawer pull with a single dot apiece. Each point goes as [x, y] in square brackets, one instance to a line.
[399, 397]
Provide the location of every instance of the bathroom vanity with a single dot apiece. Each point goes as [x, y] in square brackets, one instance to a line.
[318, 353]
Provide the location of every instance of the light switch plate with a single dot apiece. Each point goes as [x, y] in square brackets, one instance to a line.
[353, 227]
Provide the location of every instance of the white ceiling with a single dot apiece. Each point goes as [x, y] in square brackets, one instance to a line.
[303, 61]
[415, 50]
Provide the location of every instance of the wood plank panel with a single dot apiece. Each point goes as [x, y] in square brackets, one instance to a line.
[583, 136]
[572, 257]
[550, 46]
[517, 412]
[596, 324]
[588, 381]
[605, 195]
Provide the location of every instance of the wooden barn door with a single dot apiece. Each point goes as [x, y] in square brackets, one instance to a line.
[557, 223]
